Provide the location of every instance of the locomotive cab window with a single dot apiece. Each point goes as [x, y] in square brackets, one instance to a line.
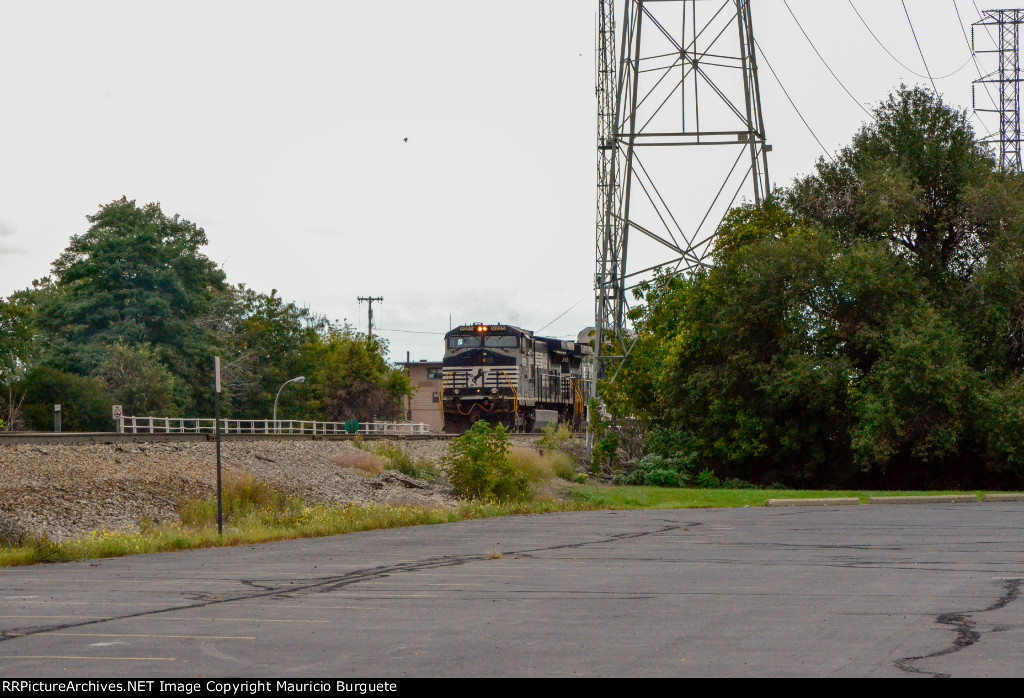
[501, 342]
[463, 342]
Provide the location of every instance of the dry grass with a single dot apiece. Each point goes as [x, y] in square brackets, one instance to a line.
[367, 464]
[543, 464]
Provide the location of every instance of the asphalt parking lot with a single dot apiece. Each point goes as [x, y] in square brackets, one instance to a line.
[917, 591]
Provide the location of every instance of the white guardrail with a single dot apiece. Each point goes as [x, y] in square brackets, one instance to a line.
[179, 425]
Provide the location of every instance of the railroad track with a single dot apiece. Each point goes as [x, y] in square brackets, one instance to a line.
[29, 437]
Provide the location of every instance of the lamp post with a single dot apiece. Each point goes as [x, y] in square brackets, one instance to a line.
[300, 379]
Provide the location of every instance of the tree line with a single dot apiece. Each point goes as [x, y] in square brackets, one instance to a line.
[864, 327]
[133, 313]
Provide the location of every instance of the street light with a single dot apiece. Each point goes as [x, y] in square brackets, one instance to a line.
[300, 379]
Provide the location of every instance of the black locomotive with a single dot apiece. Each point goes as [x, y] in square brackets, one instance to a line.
[508, 376]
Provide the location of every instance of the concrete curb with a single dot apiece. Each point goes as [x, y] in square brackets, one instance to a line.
[1003, 498]
[928, 499]
[811, 502]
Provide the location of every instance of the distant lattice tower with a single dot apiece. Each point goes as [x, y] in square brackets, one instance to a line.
[681, 139]
[1006, 24]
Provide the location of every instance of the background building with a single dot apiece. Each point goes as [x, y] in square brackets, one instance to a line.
[424, 405]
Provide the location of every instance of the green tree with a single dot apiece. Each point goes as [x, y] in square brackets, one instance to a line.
[267, 341]
[85, 405]
[136, 378]
[358, 382]
[17, 349]
[865, 327]
[136, 276]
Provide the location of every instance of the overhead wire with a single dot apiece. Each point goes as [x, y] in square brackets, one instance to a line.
[562, 315]
[977, 65]
[822, 58]
[919, 49]
[792, 103]
[893, 56]
[385, 329]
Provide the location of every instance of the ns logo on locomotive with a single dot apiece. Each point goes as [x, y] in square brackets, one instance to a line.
[506, 375]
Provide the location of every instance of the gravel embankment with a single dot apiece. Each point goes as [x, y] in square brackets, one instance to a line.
[63, 491]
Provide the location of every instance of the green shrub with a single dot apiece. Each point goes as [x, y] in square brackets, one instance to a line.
[555, 436]
[398, 460]
[85, 405]
[478, 465]
[655, 470]
[708, 481]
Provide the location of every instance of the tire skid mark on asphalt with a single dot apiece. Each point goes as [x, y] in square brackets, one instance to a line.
[329, 584]
[966, 630]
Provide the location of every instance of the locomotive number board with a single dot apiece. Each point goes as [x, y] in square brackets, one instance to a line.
[482, 328]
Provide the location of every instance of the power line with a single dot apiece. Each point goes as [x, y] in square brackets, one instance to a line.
[561, 316]
[919, 49]
[893, 56]
[977, 66]
[822, 58]
[792, 103]
[435, 334]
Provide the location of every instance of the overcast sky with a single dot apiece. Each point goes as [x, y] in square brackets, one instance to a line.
[280, 128]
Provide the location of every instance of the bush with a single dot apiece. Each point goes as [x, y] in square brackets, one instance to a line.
[478, 465]
[85, 405]
[555, 436]
[655, 470]
[707, 480]
[398, 460]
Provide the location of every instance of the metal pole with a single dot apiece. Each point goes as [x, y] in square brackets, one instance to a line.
[216, 430]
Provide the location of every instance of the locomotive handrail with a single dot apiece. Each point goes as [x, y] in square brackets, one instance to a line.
[515, 395]
[578, 403]
[440, 403]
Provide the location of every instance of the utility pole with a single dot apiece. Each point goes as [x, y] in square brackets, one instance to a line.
[680, 138]
[369, 323]
[1007, 77]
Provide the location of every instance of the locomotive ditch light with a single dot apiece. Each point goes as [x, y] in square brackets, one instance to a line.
[494, 391]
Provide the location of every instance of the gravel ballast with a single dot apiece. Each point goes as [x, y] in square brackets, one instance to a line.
[64, 491]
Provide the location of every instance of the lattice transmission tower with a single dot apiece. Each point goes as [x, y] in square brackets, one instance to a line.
[681, 140]
[1006, 40]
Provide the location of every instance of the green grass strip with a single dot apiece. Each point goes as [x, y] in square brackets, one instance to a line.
[288, 519]
[263, 527]
[601, 497]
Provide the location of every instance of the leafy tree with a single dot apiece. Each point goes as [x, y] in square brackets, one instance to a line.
[267, 341]
[358, 382]
[137, 276]
[272, 341]
[865, 327]
[138, 381]
[85, 405]
[134, 303]
[17, 349]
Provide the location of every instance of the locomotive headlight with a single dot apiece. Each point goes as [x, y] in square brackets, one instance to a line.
[494, 391]
[457, 392]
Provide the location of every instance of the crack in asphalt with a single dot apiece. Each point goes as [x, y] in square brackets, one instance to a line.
[966, 634]
[328, 584]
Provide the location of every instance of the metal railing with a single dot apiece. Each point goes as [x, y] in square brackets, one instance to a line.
[180, 425]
